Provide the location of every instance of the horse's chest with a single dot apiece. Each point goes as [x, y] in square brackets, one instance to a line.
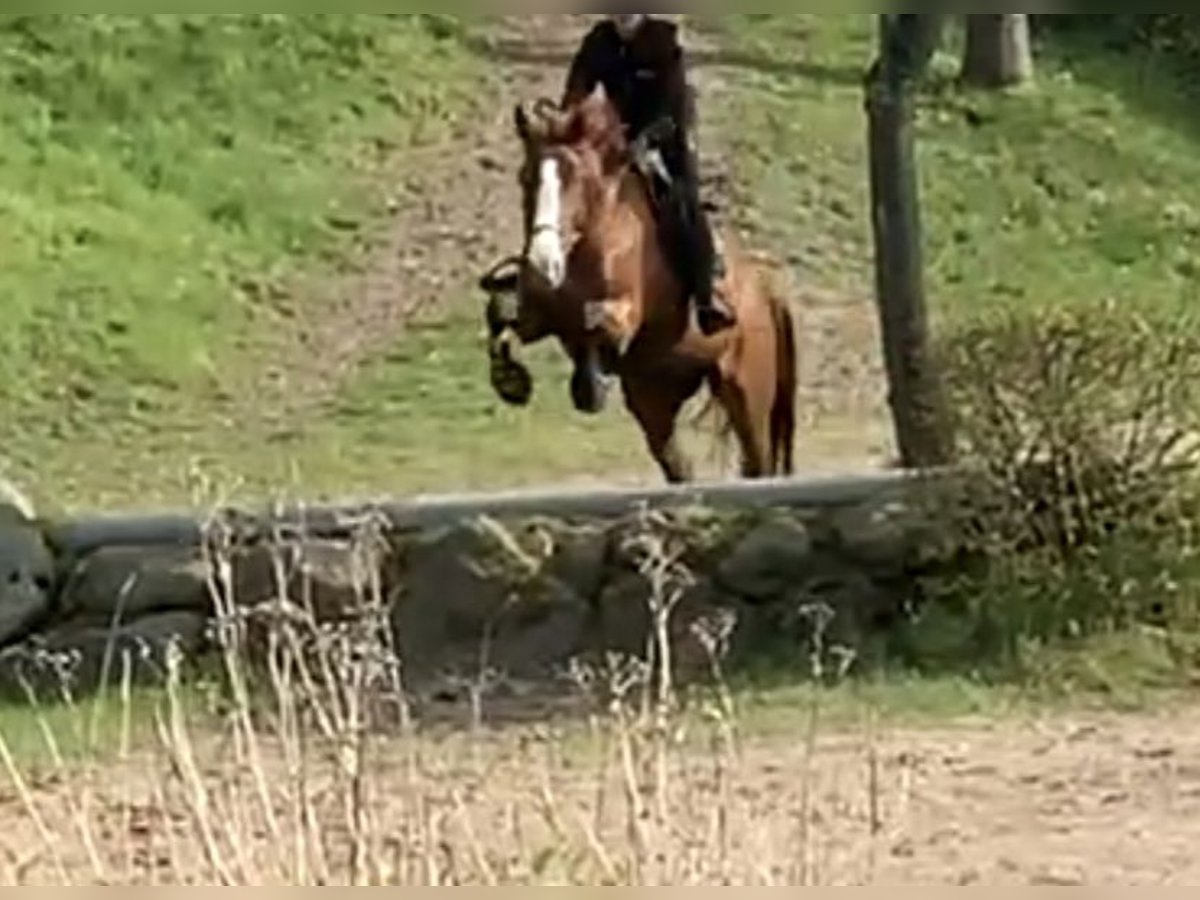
[660, 355]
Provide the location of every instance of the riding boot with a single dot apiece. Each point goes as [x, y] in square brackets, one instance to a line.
[713, 312]
[703, 260]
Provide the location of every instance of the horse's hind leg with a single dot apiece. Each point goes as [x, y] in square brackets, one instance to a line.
[656, 408]
[751, 426]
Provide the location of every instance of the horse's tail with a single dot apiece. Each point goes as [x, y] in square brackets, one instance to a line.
[783, 410]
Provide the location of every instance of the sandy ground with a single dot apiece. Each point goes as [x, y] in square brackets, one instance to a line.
[1091, 800]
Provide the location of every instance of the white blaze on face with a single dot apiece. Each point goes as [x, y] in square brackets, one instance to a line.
[546, 252]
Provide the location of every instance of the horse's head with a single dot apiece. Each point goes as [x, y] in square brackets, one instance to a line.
[571, 157]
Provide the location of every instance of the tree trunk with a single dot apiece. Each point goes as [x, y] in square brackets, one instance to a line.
[915, 392]
[998, 51]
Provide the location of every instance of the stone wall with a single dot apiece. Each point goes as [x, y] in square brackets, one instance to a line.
[536, 593]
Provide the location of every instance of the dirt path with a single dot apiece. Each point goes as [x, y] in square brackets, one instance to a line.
[1093, 800]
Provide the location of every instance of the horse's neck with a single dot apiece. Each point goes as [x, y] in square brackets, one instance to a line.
[627, 218]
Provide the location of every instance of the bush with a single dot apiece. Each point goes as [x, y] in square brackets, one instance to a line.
[1080, 435]
[1174, 35]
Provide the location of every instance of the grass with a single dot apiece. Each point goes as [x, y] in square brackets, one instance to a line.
[426, 415]
[73, 733]
[1079, 190]
[160, 174]
[1127, 674]
[170, 183]
[1132, 672]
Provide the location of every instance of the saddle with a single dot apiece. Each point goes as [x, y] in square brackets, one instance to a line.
[649, 164]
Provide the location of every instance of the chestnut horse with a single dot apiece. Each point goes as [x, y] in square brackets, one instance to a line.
[595, 274]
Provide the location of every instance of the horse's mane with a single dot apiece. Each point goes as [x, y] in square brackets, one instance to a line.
[592, 121]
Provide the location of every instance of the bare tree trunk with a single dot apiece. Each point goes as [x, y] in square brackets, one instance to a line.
[999, 53]
[918, 408]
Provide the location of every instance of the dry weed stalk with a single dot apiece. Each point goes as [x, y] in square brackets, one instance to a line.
[297, 774]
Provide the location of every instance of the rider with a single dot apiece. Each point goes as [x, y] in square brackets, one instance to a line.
[639, 60]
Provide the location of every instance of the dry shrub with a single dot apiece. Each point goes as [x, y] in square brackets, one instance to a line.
[1078, 430]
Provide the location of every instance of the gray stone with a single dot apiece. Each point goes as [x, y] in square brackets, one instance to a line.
[767, 562]
[13, 498]
[331, 579]
[705, 623]
[446, 593]
[122, 584]
[841, 605]
[539, 632]
[580, 559]
[708, 623]
[26, 575]
[879, 535]
[623, 616]
[150, 634]
[81, 658]
[462, 588]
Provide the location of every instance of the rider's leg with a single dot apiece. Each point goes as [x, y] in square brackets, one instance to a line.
[702, 263]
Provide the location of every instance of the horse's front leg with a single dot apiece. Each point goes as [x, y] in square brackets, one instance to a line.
[512, 323]
[614, 322]
[609, 327]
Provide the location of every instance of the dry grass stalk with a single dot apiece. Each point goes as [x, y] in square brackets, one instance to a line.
[303, 772]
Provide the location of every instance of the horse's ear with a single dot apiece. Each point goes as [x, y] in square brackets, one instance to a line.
[521, 122]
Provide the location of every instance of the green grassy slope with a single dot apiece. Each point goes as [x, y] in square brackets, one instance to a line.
[1081, 189]
[424, 418]
[153, 171]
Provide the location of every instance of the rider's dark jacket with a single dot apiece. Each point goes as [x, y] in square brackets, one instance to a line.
[646, 77]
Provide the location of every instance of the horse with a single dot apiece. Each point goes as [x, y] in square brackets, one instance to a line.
[595, 274]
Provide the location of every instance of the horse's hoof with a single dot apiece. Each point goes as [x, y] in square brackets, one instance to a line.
[512, 382]
[589, 391]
